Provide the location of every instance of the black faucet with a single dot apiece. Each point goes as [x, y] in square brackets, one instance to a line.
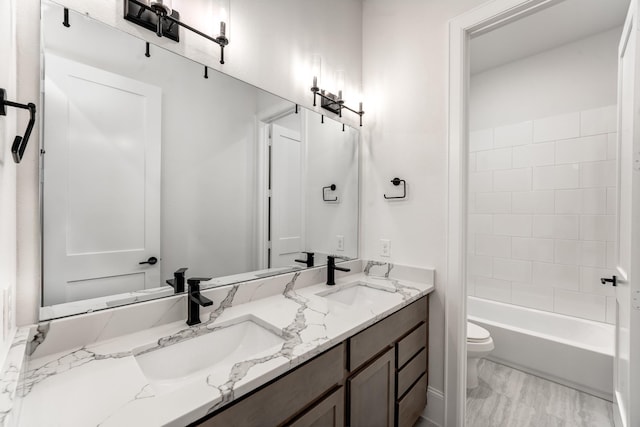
[195, 300]
[308, 261]
[331, 270]
[178, 280]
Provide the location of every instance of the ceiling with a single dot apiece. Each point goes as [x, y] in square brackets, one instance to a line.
[563, 23]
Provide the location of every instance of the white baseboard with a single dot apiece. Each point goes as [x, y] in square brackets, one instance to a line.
[434, 411]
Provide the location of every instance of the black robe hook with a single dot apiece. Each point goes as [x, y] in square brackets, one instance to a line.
[20, 142]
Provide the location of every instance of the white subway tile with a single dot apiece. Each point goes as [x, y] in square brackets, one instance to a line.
[532, 249]
[481, 182]
[494, 289]
[471, 201]
[612, 201]
[556, 177]
[579, 304]
[498, 246]
[481, 140]
[556, 275]
[493, 159]
[556, 127]
[472, 162]
[529, 202]
[480, 266]
[567, 252]
[534, 155]
[537, 297]
[492, 203]
[584, 149]
[512, 180]
[594, 201]
[471, 286]
[590, 281]
[593, 254]
[568, 201]
[513, 270]
[612, 146]
[515, 134]
[471, 243]
[512, 225]
[522, 202]
[556, 226]
[479, 223]
[598, 174]
[597, 227]
[611, 310]
[598, 120]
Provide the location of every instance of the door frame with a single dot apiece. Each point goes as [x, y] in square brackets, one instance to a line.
[472, 23]
[263, 125]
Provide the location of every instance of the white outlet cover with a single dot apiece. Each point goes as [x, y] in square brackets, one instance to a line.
[385, 247]
[340, 243]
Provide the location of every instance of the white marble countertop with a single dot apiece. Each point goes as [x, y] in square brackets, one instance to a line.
[102, 383]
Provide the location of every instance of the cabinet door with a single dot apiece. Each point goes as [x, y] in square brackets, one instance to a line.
[371, 393]
[328, 413]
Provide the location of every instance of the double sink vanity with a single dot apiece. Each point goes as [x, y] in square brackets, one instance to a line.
[286, 350]
[262, 336]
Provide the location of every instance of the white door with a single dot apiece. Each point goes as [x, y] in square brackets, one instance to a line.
[287, 182]
[627, 354]
[101, 190]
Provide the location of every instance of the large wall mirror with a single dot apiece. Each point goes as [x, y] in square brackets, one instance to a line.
[149, 167]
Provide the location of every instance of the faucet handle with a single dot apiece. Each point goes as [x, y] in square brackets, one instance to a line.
[195, 281]
[178, 280]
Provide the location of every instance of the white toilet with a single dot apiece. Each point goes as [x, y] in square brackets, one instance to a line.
[479, 344]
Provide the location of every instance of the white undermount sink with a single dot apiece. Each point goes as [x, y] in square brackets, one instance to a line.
[357, 293]
[217, 351]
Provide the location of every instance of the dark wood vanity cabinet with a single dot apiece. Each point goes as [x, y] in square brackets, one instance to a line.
[378, 377]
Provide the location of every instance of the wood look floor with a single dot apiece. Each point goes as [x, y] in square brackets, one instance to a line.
[507, 397]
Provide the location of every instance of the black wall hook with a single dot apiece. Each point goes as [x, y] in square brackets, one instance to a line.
[396, 182]
[20, 143]
[331, 187]
[66, 18]
[206, 72]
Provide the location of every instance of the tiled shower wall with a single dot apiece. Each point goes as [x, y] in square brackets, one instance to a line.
[541, 213]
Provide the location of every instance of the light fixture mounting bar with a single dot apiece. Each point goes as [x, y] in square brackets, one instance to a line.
[173, 21]
[333, 103]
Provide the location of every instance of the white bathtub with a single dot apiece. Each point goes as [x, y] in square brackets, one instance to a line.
[571, 351]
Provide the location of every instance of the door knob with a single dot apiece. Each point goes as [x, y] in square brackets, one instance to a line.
[613, 281]
[152, 260]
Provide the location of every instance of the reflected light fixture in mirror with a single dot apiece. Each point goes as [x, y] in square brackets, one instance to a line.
[222, 18]
[316, 68]
[163, 5]
[158, 16]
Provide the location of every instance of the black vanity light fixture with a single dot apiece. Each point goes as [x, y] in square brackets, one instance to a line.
[158, 16]
[329, 101]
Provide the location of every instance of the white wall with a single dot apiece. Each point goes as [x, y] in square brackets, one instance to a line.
[271, 47]
[8, 130]
[332, 158]
[542, 179]
[405, 63]
[530, 88]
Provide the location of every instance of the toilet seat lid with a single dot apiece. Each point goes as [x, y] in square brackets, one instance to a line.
[477, 333]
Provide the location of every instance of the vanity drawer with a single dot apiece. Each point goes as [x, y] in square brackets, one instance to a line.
[411, 372]
[411, 344]
[383, 334]
[412, 404]
[280, 400]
